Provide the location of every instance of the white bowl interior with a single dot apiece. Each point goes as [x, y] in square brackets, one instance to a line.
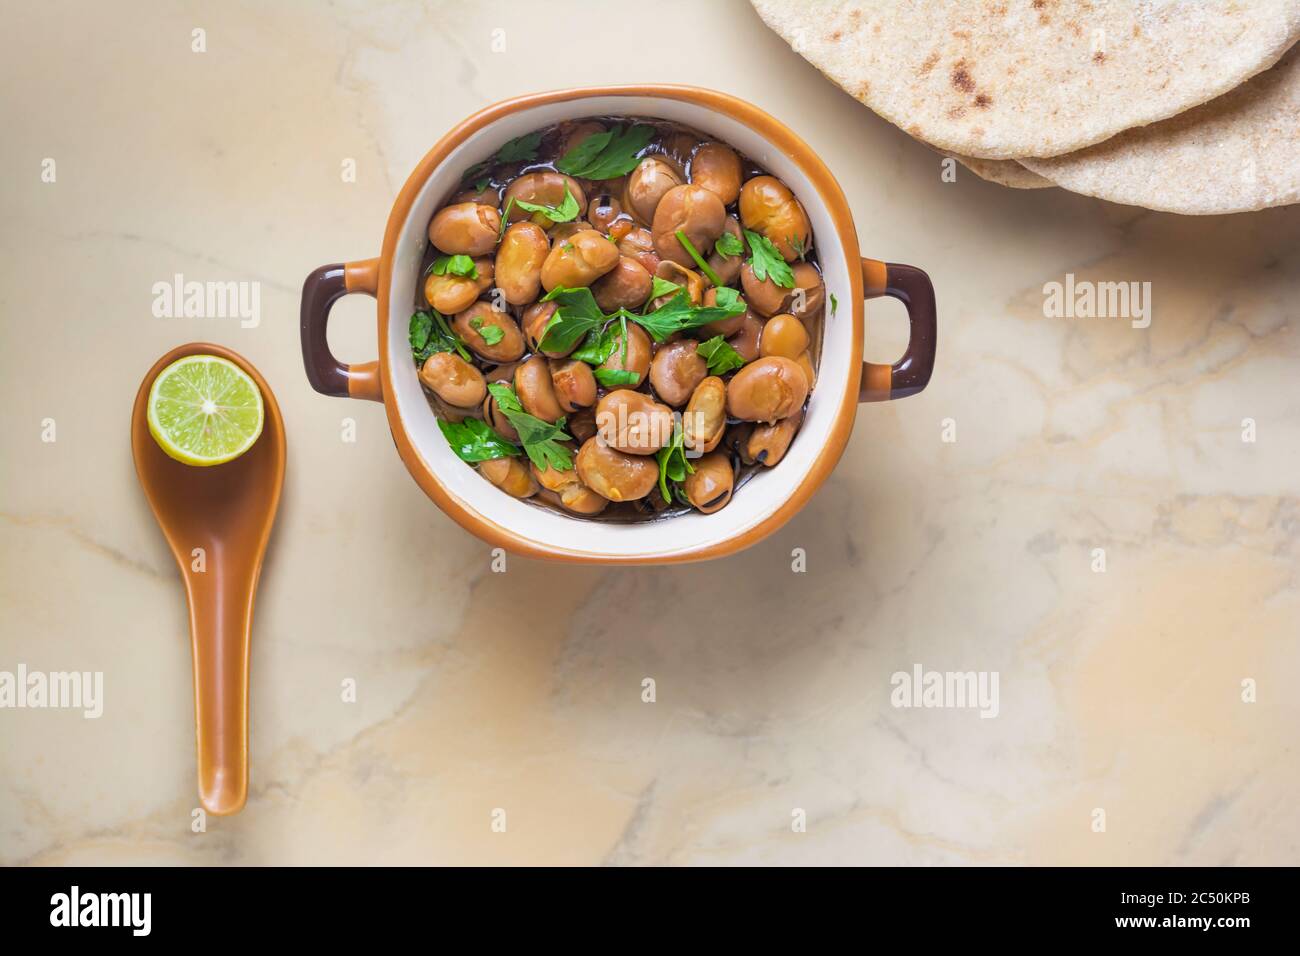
[764, 493]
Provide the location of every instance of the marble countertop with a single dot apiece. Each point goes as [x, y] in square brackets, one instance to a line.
[1075, 506]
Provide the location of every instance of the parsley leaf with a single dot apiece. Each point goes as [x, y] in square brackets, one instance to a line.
[429, 332]
[597, 346]
[614, 377]
[834, 305]
[728, 246]
[799, 248]
[519, 148]
[677, 314]
[477, 170]
[576, 315]
[768, 261]
[505, 395]
[699, 259]
[454, 265]
[729, 299]
[505, 218]
[541, 440]
[474, 440]
[566, 211]
[673, 465]
[662, 287]
[722, 358]
[491, 334]
[606, 155]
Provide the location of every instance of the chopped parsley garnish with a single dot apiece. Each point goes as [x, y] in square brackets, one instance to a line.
[677, 314]
[520, 148]
[722, 358]
[673, 465]
[541, 440]
[729, 299]
[566, 211]
[476, 171]
[578, 315]
[834, 304]
[699, 259]
[454, 265]
[491, 334]
[728, 245]
[429, 332]
[662, 286]
[474, 440]
[596, 347]
[767, 260]
[606, 155]
[616, 377]
[505, 218]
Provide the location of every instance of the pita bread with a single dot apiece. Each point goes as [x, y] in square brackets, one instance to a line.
[1002, 79]
[1234, 154]
[1004, 172]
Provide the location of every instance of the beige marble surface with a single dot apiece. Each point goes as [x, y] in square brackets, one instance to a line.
[1119, 690]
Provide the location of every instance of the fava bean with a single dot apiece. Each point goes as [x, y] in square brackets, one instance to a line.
[616, 475]
[767, 390]
[709, 486]
[633, 422]
[465, 229]
[453, 379]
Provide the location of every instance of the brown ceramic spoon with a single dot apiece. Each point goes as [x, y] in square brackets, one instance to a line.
[227, 510]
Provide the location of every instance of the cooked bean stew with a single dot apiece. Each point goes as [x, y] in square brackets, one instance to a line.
[619, 318]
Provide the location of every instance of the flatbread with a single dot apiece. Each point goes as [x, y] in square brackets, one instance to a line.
[1004, 172]
[1234, 154]
[1002, 79]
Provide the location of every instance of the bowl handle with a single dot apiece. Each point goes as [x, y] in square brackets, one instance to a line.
[911, 373]
[323, 288]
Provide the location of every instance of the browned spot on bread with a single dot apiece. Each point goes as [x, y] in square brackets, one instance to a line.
[855, 14]
[862, 90]
[957, 112]
[929, 63]
[1039, 4]
[837, 35]
[1099, 56]
[983, 101]
[961, 78]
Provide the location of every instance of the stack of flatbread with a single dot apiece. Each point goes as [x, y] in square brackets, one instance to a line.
[1188, 106]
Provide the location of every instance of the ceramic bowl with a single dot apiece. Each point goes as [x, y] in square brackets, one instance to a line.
[764, 503]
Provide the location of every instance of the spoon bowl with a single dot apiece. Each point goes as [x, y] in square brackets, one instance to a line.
[217, 521]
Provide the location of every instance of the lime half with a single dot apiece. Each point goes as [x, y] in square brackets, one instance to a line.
[205, 410]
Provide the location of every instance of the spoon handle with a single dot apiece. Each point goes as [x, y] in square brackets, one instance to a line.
[221, 617]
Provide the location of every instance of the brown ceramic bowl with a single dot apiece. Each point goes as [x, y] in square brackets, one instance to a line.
[770, 498]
